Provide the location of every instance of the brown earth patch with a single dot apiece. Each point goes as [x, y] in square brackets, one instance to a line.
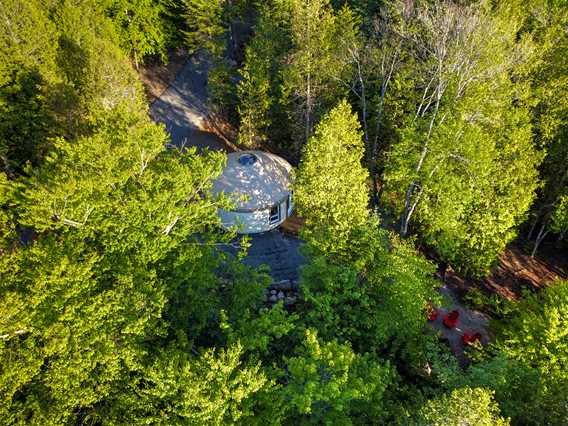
[516, 271]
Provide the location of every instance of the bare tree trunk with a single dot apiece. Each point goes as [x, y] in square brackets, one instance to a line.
[408, 208]
[533, 226]
[363, 105]
[380, 108]
[135, 59]
[375, 147]
[308, 106]
[541, 234]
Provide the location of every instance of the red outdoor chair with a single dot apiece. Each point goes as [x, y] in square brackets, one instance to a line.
[451, 319]
[433, 314]
[471, 338]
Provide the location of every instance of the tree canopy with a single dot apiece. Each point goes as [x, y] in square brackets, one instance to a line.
[419, 132]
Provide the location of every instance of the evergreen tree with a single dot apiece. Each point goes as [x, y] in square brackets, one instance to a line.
[142, 27]
[319, 59]
[205, 20]
[331, 189]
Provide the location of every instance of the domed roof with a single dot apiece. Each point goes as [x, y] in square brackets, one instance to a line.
[262, 177]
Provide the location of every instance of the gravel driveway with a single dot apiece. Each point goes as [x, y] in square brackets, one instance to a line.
[183, 108]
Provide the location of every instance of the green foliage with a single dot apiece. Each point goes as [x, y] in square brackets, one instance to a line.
[67, 71]
[537, 333]
[262, 102]
[559, 220]
[259, 334]
[178, 388]
[319, 60]
[376, 301]
[256, 88]
[464, 406]
[528, 371]
[330, 188]
[110, 209]
[27, 56]
[296, 68]
[377, 305]
[9, 193]
[537, 337]
[116, 305]
[205, 20]
[141, 27]
[327, 381]
[464, 165]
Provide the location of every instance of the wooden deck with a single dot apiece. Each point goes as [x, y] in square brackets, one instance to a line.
[292, 225]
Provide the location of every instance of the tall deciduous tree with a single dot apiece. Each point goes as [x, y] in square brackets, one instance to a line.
[178, 387]
[377, 299]
[546, 23]
[331, 189]
[318, 59]
[327, 381]
[465, 166]
[109, 211]
[474, 407]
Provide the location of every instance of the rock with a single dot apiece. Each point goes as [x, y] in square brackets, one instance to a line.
[273, 292]
[290, 300]
[280, 295]
[294, 285]
[283, 285]
[273, 299]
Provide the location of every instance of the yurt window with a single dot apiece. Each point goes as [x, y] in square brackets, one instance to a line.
[274, 214]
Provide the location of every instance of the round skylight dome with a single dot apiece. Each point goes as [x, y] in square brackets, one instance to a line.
[247, 159]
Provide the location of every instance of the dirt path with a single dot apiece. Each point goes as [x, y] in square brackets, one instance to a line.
[183, 108]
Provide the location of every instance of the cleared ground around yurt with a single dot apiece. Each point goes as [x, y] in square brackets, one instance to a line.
[182, 107]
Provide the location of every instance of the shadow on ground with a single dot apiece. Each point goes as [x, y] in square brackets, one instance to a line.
[280, 252]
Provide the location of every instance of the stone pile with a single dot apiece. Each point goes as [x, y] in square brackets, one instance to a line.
[286, 291]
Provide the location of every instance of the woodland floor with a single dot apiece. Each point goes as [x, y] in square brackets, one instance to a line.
[517, 271]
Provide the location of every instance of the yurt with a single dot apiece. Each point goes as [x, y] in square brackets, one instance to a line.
[258, 183]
